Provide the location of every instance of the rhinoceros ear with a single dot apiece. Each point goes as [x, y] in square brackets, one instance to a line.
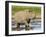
[30, 11]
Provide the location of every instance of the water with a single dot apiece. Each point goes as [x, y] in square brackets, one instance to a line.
[34, 24]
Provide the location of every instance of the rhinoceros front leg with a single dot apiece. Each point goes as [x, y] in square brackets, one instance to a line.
[27, 27]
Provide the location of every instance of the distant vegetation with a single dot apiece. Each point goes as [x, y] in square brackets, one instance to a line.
[15, 9]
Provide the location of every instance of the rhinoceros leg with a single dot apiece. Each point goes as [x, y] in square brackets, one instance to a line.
[26, 26]
[18, 27]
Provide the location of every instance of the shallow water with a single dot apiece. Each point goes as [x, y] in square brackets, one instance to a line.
[35, 25]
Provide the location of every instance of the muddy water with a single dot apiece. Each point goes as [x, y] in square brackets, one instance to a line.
[34, 24]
